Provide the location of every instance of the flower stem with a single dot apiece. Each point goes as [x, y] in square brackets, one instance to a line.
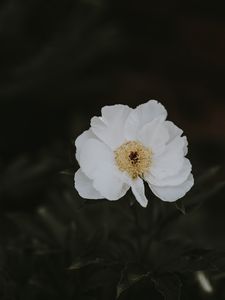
[134, 209]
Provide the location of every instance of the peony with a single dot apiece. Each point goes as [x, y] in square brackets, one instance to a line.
[124, 147]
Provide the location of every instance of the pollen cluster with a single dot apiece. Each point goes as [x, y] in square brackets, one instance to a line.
[134, 158]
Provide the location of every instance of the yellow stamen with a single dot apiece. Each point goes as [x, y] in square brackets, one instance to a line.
[134, 158]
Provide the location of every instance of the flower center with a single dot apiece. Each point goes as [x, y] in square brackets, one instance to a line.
[134, 158]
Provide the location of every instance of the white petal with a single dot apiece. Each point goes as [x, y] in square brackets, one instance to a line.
[93, 153]
[108, 182]
[173, 193]
[110, 127]
[84, 186]
[170, 161]
[176, 179]
[173, 130]
[154, 135]
[185, 147]
[142, 115]
[81, 139]
[97, 162]
[138, 190]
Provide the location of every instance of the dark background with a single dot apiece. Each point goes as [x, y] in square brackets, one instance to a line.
[60, 62]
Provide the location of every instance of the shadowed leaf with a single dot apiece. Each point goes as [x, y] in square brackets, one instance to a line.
[169, 285]
[128, 279]
[79, 264]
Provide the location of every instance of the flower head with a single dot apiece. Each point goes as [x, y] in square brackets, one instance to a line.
[125, 146]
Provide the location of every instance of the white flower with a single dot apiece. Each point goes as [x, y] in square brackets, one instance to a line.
[125, 146]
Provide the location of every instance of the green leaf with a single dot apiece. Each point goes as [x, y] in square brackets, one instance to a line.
[201, 191]
[207, 176]
[52, 224]
[193, 202]
[105, 278]
[67, 173]
[128, 279]
[197, 200]
[79, 264]
[180, 206]
[169, 285]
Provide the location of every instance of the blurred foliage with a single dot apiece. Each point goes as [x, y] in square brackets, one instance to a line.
[62, 246]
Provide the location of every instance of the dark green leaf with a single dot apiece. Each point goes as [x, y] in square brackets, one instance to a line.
[128, 279]
[207, 176]
[197, 200]
[169, 285]
[82, 263]
[180, 206]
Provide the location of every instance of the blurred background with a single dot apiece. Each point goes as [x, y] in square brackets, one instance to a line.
[60, 62]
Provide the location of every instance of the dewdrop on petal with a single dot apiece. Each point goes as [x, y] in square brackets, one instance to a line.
[124, 147]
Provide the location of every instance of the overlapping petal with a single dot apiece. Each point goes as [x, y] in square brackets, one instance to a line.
[173, 130]
[84, 186]
[174, 180]
[138, 190]
[97, 163]
[142, 115]
[93, 153]
[108, 182]
[154, 135]
[171, 160]
[81, 139]
[173, 193]
[109, 128]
